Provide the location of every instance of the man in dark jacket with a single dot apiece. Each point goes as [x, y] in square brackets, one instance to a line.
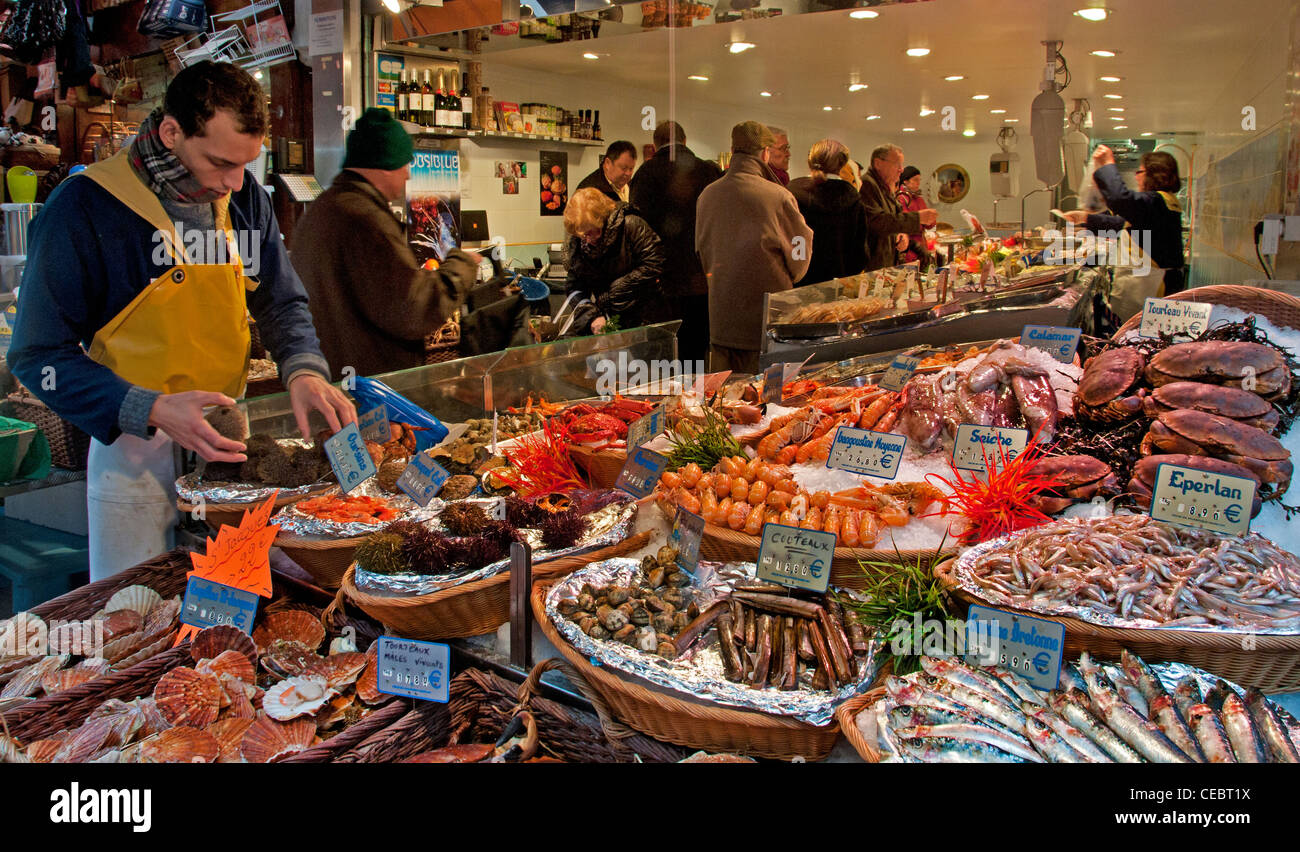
[372, 301]
[614, 262]
[664, 193]
[614, 172]
[887, 224]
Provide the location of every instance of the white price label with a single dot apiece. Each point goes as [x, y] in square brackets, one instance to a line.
[1214, 501]
[1176, 318]
[975, 443]
[900, 370]
[869, 453]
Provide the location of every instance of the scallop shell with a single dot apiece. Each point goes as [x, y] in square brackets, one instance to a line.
[211, 641]
[339, 670]
[113, 755]
[10, 751]
[154, 722]
[73, 637]
[241, 706]
[83, 672]
[180, 745]
[26, 682]
[335, 711]
[11, 665]
[120, 649]
[266, 739]
[89, 740]
[139, 598]
[296, 696]
[152, 649]
[287, 658]
[125, 718]
[368, 682]
[295, 625]
[43, 751]
[468, 753]
[229, 664]
[121, 623]
[230, 735]
[185, 697]
[163, 615]
[21, 631]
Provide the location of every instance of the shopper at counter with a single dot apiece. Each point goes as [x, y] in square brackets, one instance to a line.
[887, 225]
[910, 200]
[614, 262]
[779, 154]
[833, 209]
[614, 173]
[133, 315]
[752, 240]
[664, 192]
[373, 302]
[1153, 210]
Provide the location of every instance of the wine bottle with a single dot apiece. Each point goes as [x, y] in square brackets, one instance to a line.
[466, 103]
[455, 116]
[595, 128]
[439, 105]
[586, 124]
[401, 97]
[425, 103]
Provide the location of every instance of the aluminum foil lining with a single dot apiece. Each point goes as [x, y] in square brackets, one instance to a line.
[193, 487]
[1170, 675]
[295, 522]
[698, 673]
[962, 572]
[609, 525]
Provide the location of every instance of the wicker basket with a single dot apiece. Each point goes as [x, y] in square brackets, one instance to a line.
[328, 750]
[846, 714]
[601, 466]
[692, 724]
[218, 515]
[166, 574]
[69, 445]
[325, 559]
[1278, 308]
[420, 728]
[443, 344]
[470, 609]
[1272, 665]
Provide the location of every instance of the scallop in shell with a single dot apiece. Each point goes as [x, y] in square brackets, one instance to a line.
[152, 649]
[162, 616]
[180, 745]
[294, 625]
[339, 670]
[241, 706]
[266, 739]
[138, 598]
[229, 665]
[296, 696]
[28, 681]
[120, 649]
[90, 739]
[82, 672]
[154, 722]
[121, 623]
[185, 697]
[211, 641]
[229, 733]
[368, 682]
[287, 658]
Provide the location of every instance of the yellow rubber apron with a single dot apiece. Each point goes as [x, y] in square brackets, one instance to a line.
[1138, 278]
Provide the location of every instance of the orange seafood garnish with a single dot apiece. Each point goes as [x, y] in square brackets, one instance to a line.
[348, 510]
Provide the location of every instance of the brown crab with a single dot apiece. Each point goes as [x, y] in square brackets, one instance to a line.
[1223, 400]
[1200, 434]
[1251, 366]
[1144, 475]
[1076, 478]
[1107, 390]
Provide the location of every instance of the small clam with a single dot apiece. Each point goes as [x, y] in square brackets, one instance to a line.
[598, 632]
[648, 564]
[674, 598]
[613, 620]
[679, 579]
[655, 576]
[646, 639]
[618, 595]
[587, 602]
[586, 622]
[663, 622]
[589, 589]
[664, 637]
[667, 650]
[680, 621]
[567, 606]
[656, 604]
[640, 616]
[625, 634]
[693, 609]
[666, 556]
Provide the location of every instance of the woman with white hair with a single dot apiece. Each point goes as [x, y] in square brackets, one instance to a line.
[614, 262]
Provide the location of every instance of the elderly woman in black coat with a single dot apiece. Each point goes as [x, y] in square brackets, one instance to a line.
[614, 261]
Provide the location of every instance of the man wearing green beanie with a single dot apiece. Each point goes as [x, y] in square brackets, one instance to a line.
[372, 302]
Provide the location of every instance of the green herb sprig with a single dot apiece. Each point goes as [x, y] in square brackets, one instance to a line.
[704, 443]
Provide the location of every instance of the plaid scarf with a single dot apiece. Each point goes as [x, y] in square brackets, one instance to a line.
[161, 170]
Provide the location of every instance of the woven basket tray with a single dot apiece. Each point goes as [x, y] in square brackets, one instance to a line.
[165, 574]
[601, 466]
[1278, 308]
[1273, 665]
[69, 445]
[325, 559]
[846, 715]
[688, 723]
[217, 515]
[470, 609]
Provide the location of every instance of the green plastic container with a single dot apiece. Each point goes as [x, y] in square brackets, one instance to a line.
[24, 452]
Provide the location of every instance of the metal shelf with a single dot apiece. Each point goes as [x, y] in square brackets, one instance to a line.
[58, 476]
[501, 135]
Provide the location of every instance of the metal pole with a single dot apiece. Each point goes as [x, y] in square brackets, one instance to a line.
[521, 617]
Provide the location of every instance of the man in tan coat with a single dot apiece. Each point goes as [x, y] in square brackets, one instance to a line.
[751, 240]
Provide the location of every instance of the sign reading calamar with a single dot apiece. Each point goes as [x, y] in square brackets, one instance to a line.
[796, 557]
[1198, 498]
[1174, 317]
[866, 452]
[1030, 647]
[349, 457]
[974, 442]
[1056, 341]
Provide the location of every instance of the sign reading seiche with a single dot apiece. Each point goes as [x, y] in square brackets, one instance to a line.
[1213, 501]
[974, 442]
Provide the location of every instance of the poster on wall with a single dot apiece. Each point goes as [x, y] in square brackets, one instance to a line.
[433, 202]
[388, 73]
[553, 174]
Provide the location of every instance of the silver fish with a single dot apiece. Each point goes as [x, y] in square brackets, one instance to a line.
[1011, 744]
[1071, 679]
[1217, 694]
[1095, 678]
[1271, 729]
[1009, 716]
[973, 679]
[1141, 674]
[1210, 734]
[1073, 705]
[1076, 739]
[1166, 716]
[1246, 744]
[1186, 695]
[1291, 725]
[921, 700]
[1128, 690]
[1018, 685]
[1050, 744]
[1143, 735]
[943, 750]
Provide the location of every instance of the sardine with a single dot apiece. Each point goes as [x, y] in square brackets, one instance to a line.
[1009, 716]
[1246, 744]
[1018, 685]
[1291, 725]
[1071, 679]
[1210, 734]
[943, 750]
[1128, 690]
[921, 699]
[1166, 716]
[1140, 733]
[1271, 729]
[1073, 705]
[1186, 695]
[1216, 695]
[973, 679]
[1010, 743]
[1148, 683]
[1076, 739]
[1050, 744]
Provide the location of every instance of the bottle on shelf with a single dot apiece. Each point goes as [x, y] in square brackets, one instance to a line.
[400, 97]
[439, 105]
[466, 103]
[586, 125]
[595, 128]
[426, 101]
[455, 114]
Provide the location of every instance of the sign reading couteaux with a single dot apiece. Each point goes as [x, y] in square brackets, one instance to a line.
[1030, 647]
[641, 472]
[1174, 317]
[974, 443]
[349, 457]
[422, 479]
[374, 425]
[865, 452]
[414, 669]
[1191, 497]
[794, 557]
[900, 370]
[1056, 341]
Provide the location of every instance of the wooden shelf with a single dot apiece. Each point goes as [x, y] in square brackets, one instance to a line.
[497, 135]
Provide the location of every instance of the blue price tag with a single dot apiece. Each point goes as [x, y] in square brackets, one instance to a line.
[349, 457]
[208, 603]
[900, 370]
[374, 425]
[422, 479]
[415, 669]
[645, 428]
[796, 557]
[688, 530]
[870, 453]
[1030, 647]
[641, 472]
[1056, 341]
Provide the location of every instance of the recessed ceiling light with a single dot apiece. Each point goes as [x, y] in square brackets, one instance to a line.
[1103, 53]
[1114, 109]
[1114, 97]
[918, 51]
[857, 87]
[979, 97]
[1120, 127]
[1011, 120]
[1110, 79]
[860, 14]
[740, 46]
[392, 6]
[1115, 117]
[1092, 14]
[766, 94]
[1148, 134]
[926, 111]
[955, 77]
[997, 112]
[872, 117]
[590, 56]
[968, 133]
[909, 129]
[258, 74]
[698, 77]
[827, 108]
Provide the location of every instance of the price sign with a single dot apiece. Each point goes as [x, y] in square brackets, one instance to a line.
[796, 557]
[866, 452]
[349, 457]
[688, 529]
[773, 377]
[974, 442]
[1198, 498]
[1180, 319]
[422, 479]
[645, 428]
[641, 472]
[374, 425]
[1030, 647]
[900, 370]
[209, 603]
[1056, 341]
[415, 669]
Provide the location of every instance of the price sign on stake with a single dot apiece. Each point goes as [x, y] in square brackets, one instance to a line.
[688, 529]
[773, 376]
[974, 442]
[1030, 647]
[1198, 498]
[645, 428]
[866, 452]
[374, 425]
[209, 603]
[798, 558]
[422, 479]
[900, 370]
[349, 457]
[414, 669]
[641, 472]
[1056, 341]
[1169, 316]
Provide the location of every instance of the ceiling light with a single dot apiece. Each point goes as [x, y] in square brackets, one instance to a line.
[861, 14]
[872, 117]
[968, 133]
[1120, 127]
[827, 109]
[1103, 53]
[857, 87]
[979, 97]
[955, 77]
[740, 46]
[698, 77]
[590, 56]
[997, 112]
[1114, 97]
[257, 75]
[1110, 79]
[926, 111]
[1148, 134]
[909, 129]
[918, 51]
[1093, 14]
[1114, 109]
[1115, 117]
[766, 94]
[392, 6]
[1010, 120]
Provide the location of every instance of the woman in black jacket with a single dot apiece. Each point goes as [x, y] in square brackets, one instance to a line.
[833, 209]
[614, 262]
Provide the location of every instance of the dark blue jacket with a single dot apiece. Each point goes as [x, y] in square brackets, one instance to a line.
[88, 257]
[1142, 211]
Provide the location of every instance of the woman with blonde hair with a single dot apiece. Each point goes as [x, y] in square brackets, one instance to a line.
[832, 207]
[614, 261]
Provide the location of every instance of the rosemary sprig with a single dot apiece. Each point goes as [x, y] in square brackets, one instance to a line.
[704, 443]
